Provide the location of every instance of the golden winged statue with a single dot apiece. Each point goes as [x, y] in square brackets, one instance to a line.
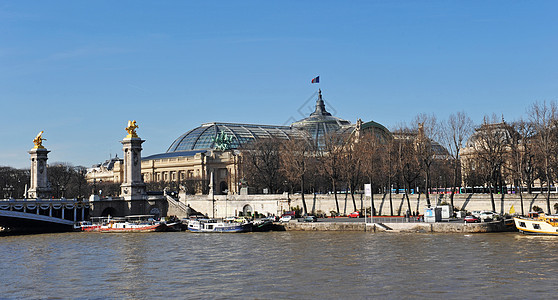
[38, 141]
[131, 129]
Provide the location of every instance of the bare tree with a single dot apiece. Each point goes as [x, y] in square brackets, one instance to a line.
[352, 164]
[59, 175]
[410, 160]
[78, 185]
[427, 131]
[330, 157]
[262, 164]
[455, 133]
[371, 151]
[543, 117]
[521, 156]
[191, 185]
[490, 146]
[14, 181]
[295, 160]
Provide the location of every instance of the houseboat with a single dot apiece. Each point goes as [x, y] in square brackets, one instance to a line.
[537, 223]
[211, 225]
[135, 223]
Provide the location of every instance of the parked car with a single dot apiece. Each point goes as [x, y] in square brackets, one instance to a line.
[285, 219]
[476, 213]
[273, 218]
[488, 216]
[472, 219]
[310, 219]
[354, 214]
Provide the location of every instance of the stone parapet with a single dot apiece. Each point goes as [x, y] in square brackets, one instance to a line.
[275, 204]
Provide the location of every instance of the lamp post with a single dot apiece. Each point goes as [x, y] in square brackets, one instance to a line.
[226, 191]
[8, 190]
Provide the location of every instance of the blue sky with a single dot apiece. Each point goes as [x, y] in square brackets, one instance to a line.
[79, 70]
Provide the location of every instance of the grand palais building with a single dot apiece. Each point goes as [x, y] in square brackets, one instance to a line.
[213, 148]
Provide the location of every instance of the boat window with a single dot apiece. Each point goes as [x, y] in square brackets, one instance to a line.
[536, 226]
[521, 224]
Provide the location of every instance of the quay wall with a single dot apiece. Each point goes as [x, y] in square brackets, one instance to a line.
[444, 227]
[397, 227]
[418, 203]
[232, 205]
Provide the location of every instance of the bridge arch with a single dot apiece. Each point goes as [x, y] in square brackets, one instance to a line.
[109, 211]
[247, 210]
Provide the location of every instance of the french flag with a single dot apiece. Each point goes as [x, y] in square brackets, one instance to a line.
[316, 80]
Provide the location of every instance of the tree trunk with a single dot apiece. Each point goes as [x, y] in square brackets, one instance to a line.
[390, 203]
[407, 196]
[314, 203]
[548, 200]
[346, 195]
[334, 183]
[491, 188]
[354, 201]
[455, 183]
[521, 199]
[302, 193]
[426, 190]
[372, 207]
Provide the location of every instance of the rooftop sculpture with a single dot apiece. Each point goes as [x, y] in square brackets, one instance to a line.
[131, 129]
[38, 141]
[222, 141]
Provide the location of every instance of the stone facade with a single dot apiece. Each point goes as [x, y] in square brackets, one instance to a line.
[132, 186]
[39, 187]
[233, 205]
[111, 170]
[223, 164]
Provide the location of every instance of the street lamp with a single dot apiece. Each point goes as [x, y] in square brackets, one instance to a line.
[8, 191]
[226, 191]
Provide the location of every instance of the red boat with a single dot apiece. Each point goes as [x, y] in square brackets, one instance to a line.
[135, 223]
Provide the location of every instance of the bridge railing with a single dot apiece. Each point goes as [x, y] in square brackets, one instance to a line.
[397, 219]
[67, 209]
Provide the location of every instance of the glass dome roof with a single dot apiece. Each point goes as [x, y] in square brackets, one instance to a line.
[313, 128]
[204, 137]
[378, 130]
[321, 122]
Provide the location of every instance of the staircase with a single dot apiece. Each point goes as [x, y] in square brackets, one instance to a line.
[178, 208]
[383, 226]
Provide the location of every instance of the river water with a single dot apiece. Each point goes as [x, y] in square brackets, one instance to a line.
[327, 265]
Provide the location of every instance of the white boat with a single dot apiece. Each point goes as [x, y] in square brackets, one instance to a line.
[86, 226]
[211, 225]
[537, 223]
[135, 223]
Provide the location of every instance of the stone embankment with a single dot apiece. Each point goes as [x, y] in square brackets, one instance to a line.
[442, 227]
[222, 206]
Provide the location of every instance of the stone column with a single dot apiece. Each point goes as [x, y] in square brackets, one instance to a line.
[39, 187]
[132, 186]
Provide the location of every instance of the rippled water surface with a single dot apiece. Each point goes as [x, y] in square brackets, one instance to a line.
[277, 265]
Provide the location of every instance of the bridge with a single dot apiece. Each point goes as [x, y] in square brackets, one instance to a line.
[60, 215]
[41, 215]
[158, 205]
